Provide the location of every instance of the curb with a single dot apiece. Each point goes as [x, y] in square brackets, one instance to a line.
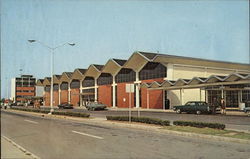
[218, 138]
[21, 148]
[144, 127]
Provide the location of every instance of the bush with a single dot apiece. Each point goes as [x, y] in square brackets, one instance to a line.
[140, 119]
[75, 114]
[200, 124]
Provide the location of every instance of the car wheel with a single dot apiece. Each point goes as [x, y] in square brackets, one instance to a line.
[178, 111]
[198, 112]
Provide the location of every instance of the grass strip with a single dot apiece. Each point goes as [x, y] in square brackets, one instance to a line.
[211, 131]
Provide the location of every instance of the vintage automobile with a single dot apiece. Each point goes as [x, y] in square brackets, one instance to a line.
[197, 107]
[246, 109]
[95, 106]
[65, 106]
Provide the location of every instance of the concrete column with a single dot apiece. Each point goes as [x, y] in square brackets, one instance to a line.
[181, 96]
[114, 93]
[239, 96]
[95, 89]
[200, 94]
[80, 91]
[137, 95]
[59, 94]
[170, 71]
[69, 93]
[44, 96]
[163, 99]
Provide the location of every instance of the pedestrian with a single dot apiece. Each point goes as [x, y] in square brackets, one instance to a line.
[223, 106]
[214, 105]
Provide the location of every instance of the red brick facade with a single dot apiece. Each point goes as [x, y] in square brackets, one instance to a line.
[155, 100]
[64, 96]
[121, 95]
[105, 94]
[47, 98]
[74, 96]
[56, 98]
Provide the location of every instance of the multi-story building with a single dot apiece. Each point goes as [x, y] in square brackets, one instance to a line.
[158, 81]
[23, 88]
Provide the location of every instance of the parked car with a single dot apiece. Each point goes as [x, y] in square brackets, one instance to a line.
[20, 104]
[246, 109]
[197, 107]
[95, 106]
[65, 106]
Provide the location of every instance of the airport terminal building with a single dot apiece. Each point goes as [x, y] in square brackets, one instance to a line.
[152, 81]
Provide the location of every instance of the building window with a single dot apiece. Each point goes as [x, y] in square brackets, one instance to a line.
[88, 82]
[153, 70]
[212, 95]
[64, 86]
[55, 87]
[88, 94]
[47, 88]
[75, 84]
[104, 79]
[232, 99]
[125, 75]
[246, 96]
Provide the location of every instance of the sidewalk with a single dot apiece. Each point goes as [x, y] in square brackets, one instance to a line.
[10, 150]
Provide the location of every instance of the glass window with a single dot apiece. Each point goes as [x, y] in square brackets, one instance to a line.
[64, 86]
[55, 87]
[125, 75]
[246, 96]
[104, 78]
[88, 82]
[47, 88]
[75, 84]
[153, 70]
[214, 97]
[232, 99]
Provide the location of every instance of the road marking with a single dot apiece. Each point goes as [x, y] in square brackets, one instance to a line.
[21, 148]
[81, 133]
[31, 121]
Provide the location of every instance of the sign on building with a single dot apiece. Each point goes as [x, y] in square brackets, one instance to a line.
[130, 88]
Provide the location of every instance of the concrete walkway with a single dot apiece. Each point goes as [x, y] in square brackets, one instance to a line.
[10, 150]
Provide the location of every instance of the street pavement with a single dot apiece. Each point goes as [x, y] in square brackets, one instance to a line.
[235, 122]
[60, 138]
[11, 151]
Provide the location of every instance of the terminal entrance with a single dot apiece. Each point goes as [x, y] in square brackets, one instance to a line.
[235, 95]
[87, 95]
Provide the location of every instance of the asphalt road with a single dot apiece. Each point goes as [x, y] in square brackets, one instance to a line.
[232, 122]
[67, 139]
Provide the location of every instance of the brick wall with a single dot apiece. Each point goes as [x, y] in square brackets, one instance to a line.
[55, 98]
[25, 88]
[64, 96]
[74, 96]
[104, 94]
[121, 94]
[47, 98]
[155, 96]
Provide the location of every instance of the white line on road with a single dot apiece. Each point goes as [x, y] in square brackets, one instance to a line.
[31, 121]
[81, 133]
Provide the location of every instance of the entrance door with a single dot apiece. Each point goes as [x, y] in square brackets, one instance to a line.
[166, 100]
[232, 99]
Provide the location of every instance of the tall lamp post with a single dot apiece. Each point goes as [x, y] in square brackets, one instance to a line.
[52, 49]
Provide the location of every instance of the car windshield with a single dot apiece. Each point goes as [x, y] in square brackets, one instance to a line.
[190, 103]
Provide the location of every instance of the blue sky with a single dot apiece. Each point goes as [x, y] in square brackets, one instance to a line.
[104, 29]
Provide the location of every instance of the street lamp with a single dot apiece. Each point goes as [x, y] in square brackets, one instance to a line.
[52, 49]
